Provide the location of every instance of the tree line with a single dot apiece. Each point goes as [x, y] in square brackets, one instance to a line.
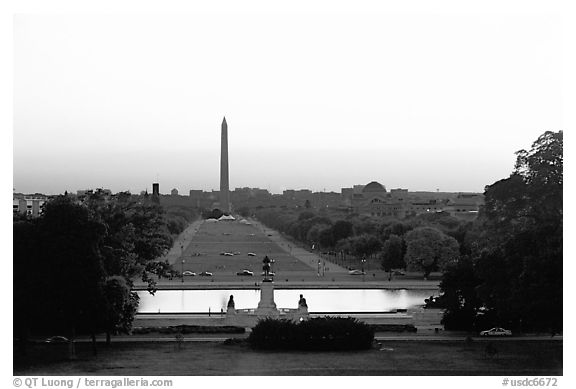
[423, 243]
[74, 266]
[512, 274]
[504, 268]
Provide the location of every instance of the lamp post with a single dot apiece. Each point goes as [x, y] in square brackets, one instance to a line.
[183, 261]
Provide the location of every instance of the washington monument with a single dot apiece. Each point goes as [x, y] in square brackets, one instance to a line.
[224, 188]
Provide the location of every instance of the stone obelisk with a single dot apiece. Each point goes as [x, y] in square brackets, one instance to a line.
[224, 188]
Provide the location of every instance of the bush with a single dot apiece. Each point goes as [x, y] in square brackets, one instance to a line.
[318, 334]
[393, 327]
[189, 329]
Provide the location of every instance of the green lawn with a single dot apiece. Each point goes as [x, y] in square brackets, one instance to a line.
[214, 238]
[396, 358]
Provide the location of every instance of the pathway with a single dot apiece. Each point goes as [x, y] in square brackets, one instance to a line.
[182, 241]
[303, 255]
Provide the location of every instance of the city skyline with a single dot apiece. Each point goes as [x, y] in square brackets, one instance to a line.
[415, 101]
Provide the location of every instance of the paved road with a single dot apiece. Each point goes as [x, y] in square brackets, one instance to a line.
[379, 337]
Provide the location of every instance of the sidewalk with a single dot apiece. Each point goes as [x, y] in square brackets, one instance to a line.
[303, 255]
[182, 241]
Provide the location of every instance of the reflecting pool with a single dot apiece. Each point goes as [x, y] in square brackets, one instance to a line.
[319, 300]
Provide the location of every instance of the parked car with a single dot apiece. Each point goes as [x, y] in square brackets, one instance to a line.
[271, 274]
[229, 254]
[245, 273]
[236, 253]
[251, 254]
[496, 331]
[356, 272]
[398, 273]
[205, 274]
[188, 273]
[56, 339]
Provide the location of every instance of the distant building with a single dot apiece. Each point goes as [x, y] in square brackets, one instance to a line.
[30, 204]
[374, 200]
[465, 205]
[346, 195]
[156, 192]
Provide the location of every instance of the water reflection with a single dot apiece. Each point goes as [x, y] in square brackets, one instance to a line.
[319, 300]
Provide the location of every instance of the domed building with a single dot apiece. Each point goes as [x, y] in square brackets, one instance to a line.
[374, 187]
[374, 200]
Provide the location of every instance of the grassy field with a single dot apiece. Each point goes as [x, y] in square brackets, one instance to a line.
[392, 358]
[215, 238]
[292, 263]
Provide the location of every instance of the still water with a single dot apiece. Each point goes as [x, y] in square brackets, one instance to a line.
[319, 300]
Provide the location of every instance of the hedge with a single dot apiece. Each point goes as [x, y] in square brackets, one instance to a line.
[319, 334]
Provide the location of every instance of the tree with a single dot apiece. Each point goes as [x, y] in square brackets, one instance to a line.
[73, 268]
[75, 264]
[459, 296]
[360, 246]
[326, 237]
[523, 218]
[120, 306]
[244, 211]
[137, 234]
[27, 284]
[395, 228]
[532, 195]
[428, 249]
[342, 229]
[365, 225]
[515, 279]
[392, 255]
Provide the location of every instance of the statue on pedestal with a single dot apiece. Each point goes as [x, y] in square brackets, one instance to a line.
[231, 307]
[266, 261]
[302, 302]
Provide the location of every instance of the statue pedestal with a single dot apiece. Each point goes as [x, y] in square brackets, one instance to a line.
[267, 306]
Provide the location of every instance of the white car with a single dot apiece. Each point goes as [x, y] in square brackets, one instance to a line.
[496, 331]
[356, 272]
[56, 339]
[188, 273]
[251, 254]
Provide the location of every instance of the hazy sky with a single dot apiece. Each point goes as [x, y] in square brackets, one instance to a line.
[422, 101]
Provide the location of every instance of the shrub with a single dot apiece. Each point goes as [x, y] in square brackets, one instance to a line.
[189, 329]
[317, 334]
[393, 327]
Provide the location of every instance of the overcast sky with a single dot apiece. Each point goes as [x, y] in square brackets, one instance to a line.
[312, 100]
